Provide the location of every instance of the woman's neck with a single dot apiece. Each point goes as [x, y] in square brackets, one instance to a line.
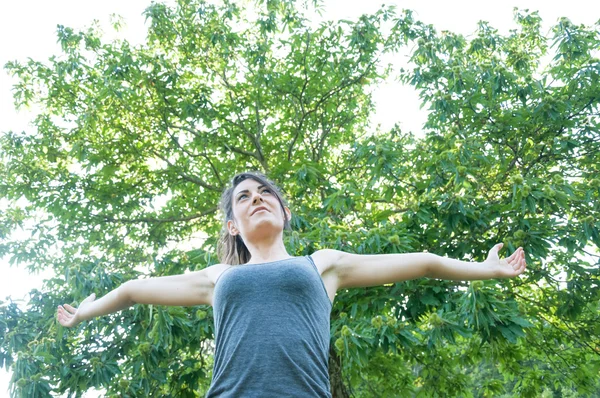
[266, 254]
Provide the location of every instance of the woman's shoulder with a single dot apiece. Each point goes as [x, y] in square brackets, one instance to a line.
[325, 259]
[214, 271]
[328, 254]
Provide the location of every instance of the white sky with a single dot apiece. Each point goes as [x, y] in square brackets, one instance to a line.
[28, 29]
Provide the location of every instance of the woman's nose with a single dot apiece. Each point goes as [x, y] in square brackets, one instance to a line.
[257, 198]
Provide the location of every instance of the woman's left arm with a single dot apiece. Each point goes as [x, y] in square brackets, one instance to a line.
[354, 270]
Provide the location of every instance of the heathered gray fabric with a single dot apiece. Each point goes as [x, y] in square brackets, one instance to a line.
[271, 331]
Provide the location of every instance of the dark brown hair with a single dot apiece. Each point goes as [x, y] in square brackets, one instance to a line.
[231, 249]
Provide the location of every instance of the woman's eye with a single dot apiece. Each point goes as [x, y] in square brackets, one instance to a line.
[242, 196]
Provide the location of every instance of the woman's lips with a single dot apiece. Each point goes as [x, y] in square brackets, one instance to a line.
[258, 210]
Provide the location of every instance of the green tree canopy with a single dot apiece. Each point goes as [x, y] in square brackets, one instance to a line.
[133, 145]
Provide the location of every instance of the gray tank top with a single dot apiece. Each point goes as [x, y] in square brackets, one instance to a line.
[271, 331]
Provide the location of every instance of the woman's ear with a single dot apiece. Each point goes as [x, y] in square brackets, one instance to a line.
[288, 213]
[233, 231]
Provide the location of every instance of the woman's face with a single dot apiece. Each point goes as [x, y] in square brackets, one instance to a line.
[256, 211]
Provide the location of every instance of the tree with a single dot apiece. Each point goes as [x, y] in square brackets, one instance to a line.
[133, 146]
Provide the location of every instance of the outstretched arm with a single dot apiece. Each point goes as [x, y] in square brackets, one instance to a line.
[354, 270]
[194, 288]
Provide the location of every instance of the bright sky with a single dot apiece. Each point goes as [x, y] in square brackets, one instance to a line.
[28, 29]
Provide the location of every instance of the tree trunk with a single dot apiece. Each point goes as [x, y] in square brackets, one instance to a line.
[338, 389]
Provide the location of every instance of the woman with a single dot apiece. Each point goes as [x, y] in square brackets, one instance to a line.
[271, 310]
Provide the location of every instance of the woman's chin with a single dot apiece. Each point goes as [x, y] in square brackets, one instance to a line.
[264, 227]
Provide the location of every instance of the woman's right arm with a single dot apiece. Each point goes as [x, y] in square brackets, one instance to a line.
[194, 288]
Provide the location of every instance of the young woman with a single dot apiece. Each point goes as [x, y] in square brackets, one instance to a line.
[271, 310]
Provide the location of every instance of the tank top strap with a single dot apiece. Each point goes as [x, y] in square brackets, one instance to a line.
[310, 259]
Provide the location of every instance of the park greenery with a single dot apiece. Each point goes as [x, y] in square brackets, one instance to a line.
[131, 147]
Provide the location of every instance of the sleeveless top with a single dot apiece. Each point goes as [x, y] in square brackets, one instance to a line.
[271, 331]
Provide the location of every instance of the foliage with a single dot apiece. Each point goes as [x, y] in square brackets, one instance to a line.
[133, 145]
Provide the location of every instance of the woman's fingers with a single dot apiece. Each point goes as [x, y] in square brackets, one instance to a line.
[512, 256]
[516, 255]
[62, 317]
[65, 315]
[524, 262]
[517, 261]
[521, 263]
[65, 318]
[70, 308]
[518, 258]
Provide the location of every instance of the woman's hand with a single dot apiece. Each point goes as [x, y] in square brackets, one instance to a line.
[69, 316]
[506, 267]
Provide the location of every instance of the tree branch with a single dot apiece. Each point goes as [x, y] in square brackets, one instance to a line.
[154, 220]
